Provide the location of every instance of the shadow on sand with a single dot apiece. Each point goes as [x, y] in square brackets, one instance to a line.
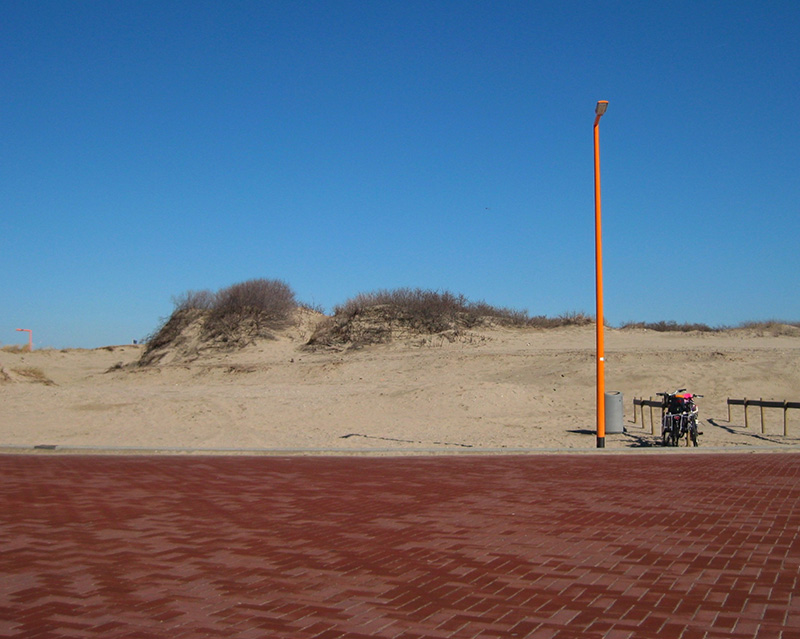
[634, 440]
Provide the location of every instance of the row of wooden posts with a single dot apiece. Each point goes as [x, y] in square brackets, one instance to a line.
[641, 403]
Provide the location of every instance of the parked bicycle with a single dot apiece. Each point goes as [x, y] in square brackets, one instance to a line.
[679, 417]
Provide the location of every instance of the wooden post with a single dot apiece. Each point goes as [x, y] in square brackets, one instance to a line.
[729, 410]
[746, 425]
[634, 411]
[785, 418]
[761, 399]
[652, 425]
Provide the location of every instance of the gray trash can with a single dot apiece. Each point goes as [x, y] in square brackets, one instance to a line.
[613, 412]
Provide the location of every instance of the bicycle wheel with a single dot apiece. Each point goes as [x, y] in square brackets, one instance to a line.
[693, 432]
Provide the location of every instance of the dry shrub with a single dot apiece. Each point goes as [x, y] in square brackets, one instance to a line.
[573, 318]
[169, 333]
[374, 318]
[16, 349]
[772, 327]
[428, 311]
[250, 310]
[33, 374]
[671, 327]
[197, 300]
[763, 327]
[232, 317]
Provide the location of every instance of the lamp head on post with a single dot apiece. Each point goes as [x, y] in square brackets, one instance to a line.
[601, 107]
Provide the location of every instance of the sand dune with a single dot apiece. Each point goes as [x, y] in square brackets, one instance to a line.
[492, 389]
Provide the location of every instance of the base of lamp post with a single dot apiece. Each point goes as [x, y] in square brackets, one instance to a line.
[601, 442]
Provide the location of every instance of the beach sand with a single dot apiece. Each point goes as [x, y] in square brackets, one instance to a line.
[492, 390]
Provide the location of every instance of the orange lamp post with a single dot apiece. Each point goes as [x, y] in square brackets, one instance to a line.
[602, 105]
[30, 337]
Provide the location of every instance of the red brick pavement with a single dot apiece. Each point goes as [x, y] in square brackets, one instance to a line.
[685, 546]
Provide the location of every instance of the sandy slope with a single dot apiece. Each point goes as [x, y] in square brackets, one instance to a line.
[493, 389]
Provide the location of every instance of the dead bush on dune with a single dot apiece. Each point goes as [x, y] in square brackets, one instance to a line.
[762, 327]
[772, 327]
[33, 374]
[374, 318]
[16, 349]
[424, 311]
[565, 319]
[198, 300]
[249, 310]
[170, 333]
[431, 311]
[671, 327]
[232, 317]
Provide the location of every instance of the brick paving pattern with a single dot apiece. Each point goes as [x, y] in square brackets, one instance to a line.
[684, 546]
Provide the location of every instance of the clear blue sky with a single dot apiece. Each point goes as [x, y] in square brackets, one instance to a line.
[155, 147]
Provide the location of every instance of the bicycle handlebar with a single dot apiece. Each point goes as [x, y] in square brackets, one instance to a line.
[680, 390]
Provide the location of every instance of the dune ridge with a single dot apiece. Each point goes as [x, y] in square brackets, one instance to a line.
[486, 388]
